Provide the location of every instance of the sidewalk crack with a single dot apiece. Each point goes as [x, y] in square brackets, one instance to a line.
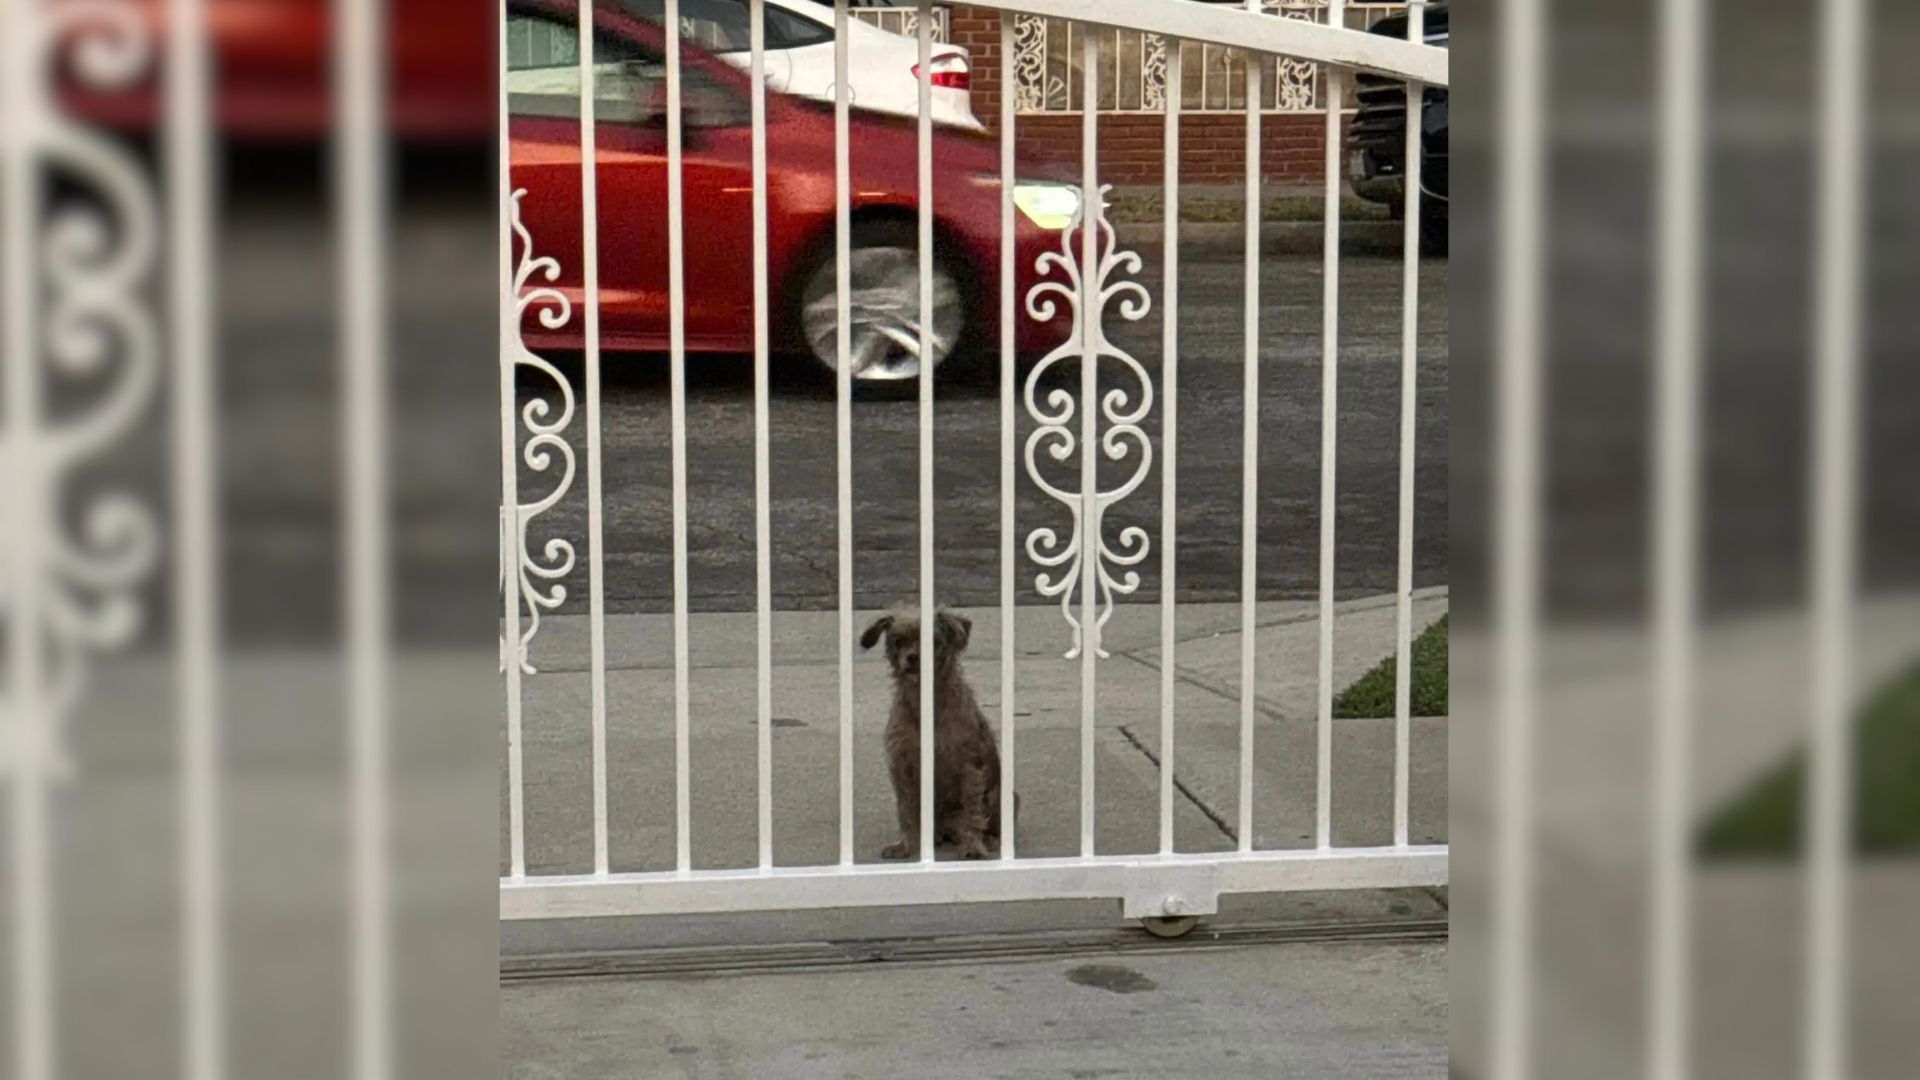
[1180, 785]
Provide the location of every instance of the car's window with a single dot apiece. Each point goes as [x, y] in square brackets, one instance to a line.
[629, 80]
[723, 26]
[543, 70]
[785, 30]
[715, 25]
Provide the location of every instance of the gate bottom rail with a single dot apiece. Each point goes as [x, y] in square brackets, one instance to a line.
[1148, 886]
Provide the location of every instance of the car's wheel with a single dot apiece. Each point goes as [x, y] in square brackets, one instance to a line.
[1433, 226]
[883, 302]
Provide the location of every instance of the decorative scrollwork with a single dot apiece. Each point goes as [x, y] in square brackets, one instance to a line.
[538, 577]
[1295, 81]
[1153, 74]
[1123, 407]
[1032, 87]
[97, 350]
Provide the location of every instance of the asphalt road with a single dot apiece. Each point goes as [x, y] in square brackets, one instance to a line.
[637, 440]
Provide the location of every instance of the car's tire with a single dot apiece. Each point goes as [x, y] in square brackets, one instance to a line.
[884, 303]
[1433, 226]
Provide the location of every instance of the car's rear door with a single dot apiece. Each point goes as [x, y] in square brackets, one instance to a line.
[631, 137]
[543, 99]
[716, 201]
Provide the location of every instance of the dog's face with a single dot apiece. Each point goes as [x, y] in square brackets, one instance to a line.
[902, 634]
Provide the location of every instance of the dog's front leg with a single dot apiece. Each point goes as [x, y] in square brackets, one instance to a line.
[906, 800]
[971, 829]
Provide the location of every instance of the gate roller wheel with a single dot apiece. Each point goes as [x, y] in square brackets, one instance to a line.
[1170, 926]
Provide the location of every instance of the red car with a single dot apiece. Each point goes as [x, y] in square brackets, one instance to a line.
[543, 87]
[271, 66]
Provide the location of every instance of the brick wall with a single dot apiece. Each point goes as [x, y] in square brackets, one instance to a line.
[978, 31]
[1212, 145]
[1131, 146]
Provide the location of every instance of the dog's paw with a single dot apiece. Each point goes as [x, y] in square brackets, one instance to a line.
[899, 849]
[973, 847]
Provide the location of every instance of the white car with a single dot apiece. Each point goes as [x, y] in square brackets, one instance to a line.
[883, 67]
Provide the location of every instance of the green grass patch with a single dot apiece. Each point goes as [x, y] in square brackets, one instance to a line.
[1371, 695]
[1764, 821]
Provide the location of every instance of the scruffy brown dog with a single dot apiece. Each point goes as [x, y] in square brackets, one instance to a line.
[966, 788]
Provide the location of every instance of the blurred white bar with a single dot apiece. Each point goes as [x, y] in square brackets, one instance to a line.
[763, 495]
[360, 161]
[929, 659]
[1329, 432]
[22, 107]
[510, 489]
[1250, 446]
[843, 415]
[190, 200]
[1675, 544]
[596, 546]
[1834, 509]
[1517, 509]
[677, 346]
[1409, 400]
[1008, 376]
[1169, 435]
[1090, 213]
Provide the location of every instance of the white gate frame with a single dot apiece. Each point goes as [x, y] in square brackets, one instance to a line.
[1166, 884]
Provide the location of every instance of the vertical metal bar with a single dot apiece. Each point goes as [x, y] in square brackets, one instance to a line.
[1008, 376]
[1409, 384]
[1169, 436]
[677, 346]
[1142, 36]
[1329, 439]
[510, 488]
[1205, 63]
[843, 416]
[1517, 538]
[928, 647]
[1676, 302]
[763, 495]
[1834, 509]
[596, 543]
[1090, 214]
[196, 538]
[22, 111]
[1072, 32]
[359, 187]
[1250, 446]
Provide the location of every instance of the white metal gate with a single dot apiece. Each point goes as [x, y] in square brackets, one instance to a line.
[1085, 572]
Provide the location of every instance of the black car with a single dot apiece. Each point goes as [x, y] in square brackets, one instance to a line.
[1377, 139]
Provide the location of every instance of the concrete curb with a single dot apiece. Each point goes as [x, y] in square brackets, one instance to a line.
[1205, 238]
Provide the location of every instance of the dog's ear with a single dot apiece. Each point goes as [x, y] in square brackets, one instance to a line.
[871, 635]
[954, 631]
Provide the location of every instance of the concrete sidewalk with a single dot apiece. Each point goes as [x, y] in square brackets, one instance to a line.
[1256, 1010]
[1047, 736]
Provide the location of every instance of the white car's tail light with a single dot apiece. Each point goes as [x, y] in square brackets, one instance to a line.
[950, 71]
